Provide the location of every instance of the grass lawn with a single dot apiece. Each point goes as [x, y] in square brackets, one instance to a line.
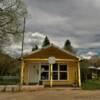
[91, 85]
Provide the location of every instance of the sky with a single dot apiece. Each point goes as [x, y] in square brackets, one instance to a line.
[77, 20]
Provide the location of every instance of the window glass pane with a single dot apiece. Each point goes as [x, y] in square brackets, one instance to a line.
[55, 75]
[63, 67]
[45, 68]
[55, 67]
[45, 75]
[63, 75]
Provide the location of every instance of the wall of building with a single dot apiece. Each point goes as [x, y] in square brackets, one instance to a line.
[72, 75]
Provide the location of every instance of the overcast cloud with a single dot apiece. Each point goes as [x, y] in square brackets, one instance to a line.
[77, 20]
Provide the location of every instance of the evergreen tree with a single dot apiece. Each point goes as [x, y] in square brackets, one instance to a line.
[35, 47]
[46, 42]
[68, 46]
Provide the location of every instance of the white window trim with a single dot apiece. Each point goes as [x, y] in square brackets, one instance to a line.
[56, 71]
[63, 71]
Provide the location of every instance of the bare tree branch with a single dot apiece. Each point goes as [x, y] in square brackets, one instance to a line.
[11, 14]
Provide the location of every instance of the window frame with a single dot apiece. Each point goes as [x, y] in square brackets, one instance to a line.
[58, 72]
[62, 71]
[45, 71]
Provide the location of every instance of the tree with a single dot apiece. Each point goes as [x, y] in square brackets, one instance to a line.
[35, 47]
[46, 42]
[11, 66]
[11, 16]
[68, 46]
[95, 61]
[85, 72]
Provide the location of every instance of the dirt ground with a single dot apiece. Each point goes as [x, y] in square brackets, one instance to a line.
[52, 94]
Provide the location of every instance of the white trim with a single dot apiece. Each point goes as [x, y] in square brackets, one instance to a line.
[72, 60]
[64, 71]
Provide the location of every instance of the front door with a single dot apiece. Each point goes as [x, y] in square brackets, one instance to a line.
[33, 74]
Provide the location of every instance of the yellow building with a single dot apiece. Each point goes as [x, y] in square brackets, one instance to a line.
[50, 66]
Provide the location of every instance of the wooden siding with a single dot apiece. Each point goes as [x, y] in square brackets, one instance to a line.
[72, 75]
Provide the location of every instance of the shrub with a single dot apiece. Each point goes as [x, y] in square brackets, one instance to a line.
[91, 85]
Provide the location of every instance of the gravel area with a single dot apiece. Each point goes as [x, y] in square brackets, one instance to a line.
[52, 94]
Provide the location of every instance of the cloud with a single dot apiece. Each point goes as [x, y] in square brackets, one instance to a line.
[77, 20]
[88, 55]
[30, 40]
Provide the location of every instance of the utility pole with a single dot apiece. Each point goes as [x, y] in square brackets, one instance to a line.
[23, 33]
[22, 51]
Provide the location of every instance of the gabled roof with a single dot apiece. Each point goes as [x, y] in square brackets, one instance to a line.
[51, 50]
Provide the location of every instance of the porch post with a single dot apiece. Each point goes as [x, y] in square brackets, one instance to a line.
[22, 70]
[51, 61]
[79, 75]
[51, 74]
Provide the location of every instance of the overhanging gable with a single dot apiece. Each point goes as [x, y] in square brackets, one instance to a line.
[49, 51]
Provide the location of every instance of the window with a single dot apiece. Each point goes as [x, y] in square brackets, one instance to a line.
[44, 75]
[63, 71]
[55, 71]
[45, 67]
[55, 75]
[44, 72]
[63, 67]
[55, 67]
[59, 72]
